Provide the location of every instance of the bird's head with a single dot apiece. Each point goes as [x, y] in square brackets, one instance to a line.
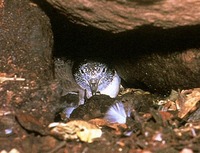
[93, 76]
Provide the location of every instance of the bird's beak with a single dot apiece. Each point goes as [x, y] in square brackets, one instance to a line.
[94, 85]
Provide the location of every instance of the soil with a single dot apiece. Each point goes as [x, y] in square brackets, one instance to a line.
[147, 129]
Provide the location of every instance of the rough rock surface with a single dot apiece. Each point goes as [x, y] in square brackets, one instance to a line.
[162, 72]
[155, 44]
[123, 15]
[25, 41]
[25, 54]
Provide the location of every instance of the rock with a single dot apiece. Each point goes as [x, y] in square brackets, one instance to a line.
[25, 41]
[98, 106]
[153, 58]
[122, 15]
[162, 72]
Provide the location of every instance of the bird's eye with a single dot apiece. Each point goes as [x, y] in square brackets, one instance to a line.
[81, 71]
[104, 70]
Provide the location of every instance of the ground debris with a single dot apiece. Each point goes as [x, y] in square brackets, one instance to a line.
[3, 78]
[145, 130]
[189, 127]
[76, 129]
[31, 123]
[188, 101]
[11, 151]
[185, 102]
[117, 127]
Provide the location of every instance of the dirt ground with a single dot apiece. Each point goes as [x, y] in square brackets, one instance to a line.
[167, 127]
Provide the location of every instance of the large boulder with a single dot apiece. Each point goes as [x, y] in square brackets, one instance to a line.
[154, 45]
[162, 72]
[25, 41]
[123, 15]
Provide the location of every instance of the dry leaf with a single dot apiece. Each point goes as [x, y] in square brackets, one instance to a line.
[189, 127]
[116, 126]
[166, 115]
[76, 129]
[192, 98]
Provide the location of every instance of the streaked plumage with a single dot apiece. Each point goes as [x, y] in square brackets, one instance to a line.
[97, 78]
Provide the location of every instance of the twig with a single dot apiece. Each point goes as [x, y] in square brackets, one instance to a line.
[15, 78]
[4, 113]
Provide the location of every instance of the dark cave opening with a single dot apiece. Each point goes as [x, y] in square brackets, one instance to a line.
[77, 42]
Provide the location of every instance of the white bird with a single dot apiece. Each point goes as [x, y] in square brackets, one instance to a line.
[97, 78]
